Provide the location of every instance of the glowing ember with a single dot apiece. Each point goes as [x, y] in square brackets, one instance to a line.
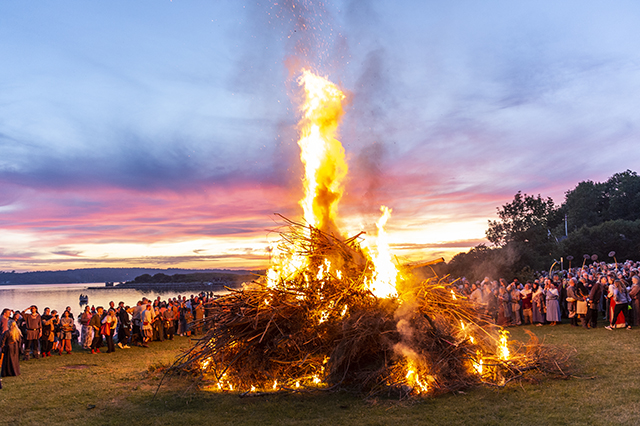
[477, 364]
[413, 379]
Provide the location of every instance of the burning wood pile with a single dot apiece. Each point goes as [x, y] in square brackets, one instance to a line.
[337, 313]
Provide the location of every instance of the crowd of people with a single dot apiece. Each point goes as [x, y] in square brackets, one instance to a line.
[29, 334]
[578, 294]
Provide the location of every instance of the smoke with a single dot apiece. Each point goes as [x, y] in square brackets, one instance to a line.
[403, 315]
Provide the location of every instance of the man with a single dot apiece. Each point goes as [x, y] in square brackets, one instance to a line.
[4, 321]
[33, 325]
[169, 323]
[96, 323]
[527, 312]
[592, 302]
[572, 298]
[124, 334]
[136, 323]
[515, 303]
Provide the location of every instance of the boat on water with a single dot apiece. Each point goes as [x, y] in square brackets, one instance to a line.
[84, 299]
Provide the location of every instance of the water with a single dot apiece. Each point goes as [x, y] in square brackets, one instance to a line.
[59, 296]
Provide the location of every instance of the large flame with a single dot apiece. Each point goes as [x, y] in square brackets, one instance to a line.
[383, 282]
[325, 169]
[321, 153]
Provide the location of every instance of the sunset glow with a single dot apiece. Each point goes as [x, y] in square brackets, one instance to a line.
[166, 134]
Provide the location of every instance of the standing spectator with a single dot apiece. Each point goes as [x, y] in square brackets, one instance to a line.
[515, 303]
[593, 302]
[168, 321]
[4, 321]
[537, 303]
[87, 330]
[10, 344]
[553, 307]
[46, 342]
[66, 326]
[96, 323]
[572, 299]
[110, 322]
[124, 324]
[33, 323]
[634, 293]
[621, 297]
[526, 296]
[147, 328]
[199, 317]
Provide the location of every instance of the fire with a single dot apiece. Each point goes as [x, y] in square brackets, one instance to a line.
[477, 364]
[503, 348]
[383, 282]
[325, 169]
[413, 379]
[321, 153]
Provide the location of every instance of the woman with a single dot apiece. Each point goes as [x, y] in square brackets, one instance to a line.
[621, 299]
[537, 304]
[553, 306]
[110, 321]
[66, 332]
[504, 307]
[10, 349]
[87, 330]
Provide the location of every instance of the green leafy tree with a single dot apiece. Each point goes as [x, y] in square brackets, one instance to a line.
[525, 219]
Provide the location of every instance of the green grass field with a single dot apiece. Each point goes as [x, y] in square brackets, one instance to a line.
[118, 389]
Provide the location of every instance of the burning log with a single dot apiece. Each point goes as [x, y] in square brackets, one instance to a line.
[321, 327]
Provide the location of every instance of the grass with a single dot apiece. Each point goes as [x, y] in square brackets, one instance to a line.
[118, 388]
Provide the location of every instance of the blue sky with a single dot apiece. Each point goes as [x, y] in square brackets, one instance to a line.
[164, 132]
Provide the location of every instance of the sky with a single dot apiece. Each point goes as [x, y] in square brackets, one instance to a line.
[162, 133]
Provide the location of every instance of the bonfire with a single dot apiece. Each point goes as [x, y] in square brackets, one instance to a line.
[336, 312]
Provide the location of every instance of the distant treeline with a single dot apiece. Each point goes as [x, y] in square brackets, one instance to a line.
[598, 219]
[222, 277]
[97, 275]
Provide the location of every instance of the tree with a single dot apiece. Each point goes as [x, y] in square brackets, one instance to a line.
[623, 192]
[525, 219]
[586, 205]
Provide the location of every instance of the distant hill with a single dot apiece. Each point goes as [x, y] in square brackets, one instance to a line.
[97, 275]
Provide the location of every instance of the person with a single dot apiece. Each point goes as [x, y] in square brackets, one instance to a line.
[168, 315]
[516, 297]
[526, 295]
[10, 348]
[124, 324]
[158, 325]
[147, 328]
[66, 332]
[4, 321]
[593, 301]
[553, 306]
[33, 323]
[199, 318]
[621, 299]
[110, 321]
[87, 330]
[96, 323]
[537, 303]
[46, 342]
[634, 294]
[571, 299]
[504, 306]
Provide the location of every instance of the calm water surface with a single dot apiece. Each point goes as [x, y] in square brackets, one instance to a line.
[59, 296]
